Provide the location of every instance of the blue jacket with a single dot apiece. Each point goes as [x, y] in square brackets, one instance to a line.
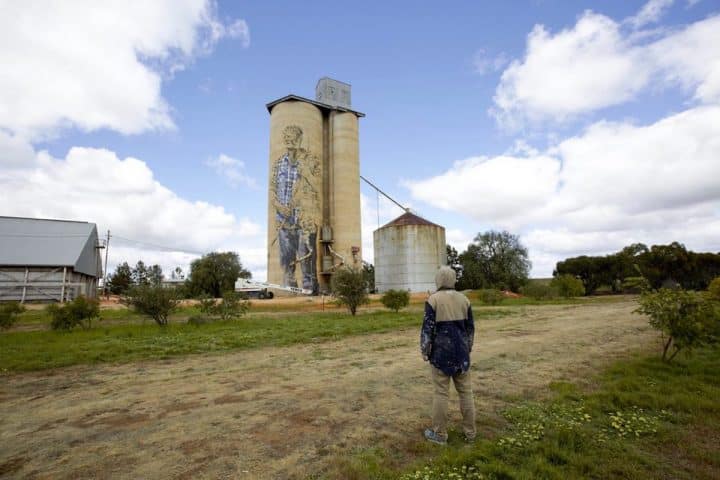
[448, 330]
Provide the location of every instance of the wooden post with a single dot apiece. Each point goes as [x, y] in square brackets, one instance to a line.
[62, 292]
[27, 272]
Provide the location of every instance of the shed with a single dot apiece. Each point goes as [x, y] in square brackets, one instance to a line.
[44, 260]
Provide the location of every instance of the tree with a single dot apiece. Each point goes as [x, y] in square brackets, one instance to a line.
[568, 286]
[154, 301]
[348, 287]
[232, 305]
[140, 274]
[78, 313]
[472, 276]
[686, 319]
[452, 259]
[396, 299]
[155, 275]
[592, 271]
[499, 259]
[667, 264]
[120, 281]
[216, 273]
[9, 314]
[369, 275]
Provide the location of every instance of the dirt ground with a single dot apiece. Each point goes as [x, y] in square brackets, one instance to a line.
[285, 412]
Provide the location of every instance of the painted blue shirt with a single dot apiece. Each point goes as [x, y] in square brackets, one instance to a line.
[287, 177]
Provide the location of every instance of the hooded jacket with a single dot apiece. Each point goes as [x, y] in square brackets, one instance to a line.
[448, 330]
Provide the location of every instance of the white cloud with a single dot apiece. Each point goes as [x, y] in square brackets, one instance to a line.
[121, 195]
[614, 184]
[596, 64]
[498, 189]
[651, 12]
[485, 63]
[232, 170]
[94, 65]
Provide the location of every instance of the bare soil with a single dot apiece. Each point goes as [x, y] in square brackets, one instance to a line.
[289, 412]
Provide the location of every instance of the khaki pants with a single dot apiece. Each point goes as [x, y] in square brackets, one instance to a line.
[441, 384]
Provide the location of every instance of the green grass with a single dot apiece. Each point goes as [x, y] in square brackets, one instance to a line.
[36, 350]
[641, 419]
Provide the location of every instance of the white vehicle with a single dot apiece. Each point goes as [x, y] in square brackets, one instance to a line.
[260, 289]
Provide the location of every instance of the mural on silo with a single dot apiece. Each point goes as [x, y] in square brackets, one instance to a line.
[296, 186]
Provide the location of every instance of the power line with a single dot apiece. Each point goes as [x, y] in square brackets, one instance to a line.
[384, 194]
[153, 245]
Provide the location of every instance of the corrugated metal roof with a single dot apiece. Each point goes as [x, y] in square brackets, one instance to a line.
[408, 218]
[314, 102]
[44, 242]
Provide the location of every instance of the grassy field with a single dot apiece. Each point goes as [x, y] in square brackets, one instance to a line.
[132, 340]
[121, 335]
[324, 395]
[639, 419]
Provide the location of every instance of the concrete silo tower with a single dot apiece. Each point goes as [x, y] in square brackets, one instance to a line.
[314, 187]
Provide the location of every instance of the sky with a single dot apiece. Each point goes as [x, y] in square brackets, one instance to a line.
[581, 127]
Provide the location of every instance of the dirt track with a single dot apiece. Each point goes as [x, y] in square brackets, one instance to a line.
[283, 412]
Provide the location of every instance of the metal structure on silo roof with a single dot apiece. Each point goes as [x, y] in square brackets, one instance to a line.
[314, 187]
[408, 252]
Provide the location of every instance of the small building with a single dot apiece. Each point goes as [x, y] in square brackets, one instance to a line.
[408, 252]
[45, 260]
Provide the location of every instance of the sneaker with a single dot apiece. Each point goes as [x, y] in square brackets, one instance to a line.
[469, 439]
[432, 436]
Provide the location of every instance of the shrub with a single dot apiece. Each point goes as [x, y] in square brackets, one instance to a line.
[78, 313]
[349, 288]
[491, 296]
[154, 301]
[568, 286]
[539, 291]
[233, 305]
[395, 299]
[9, 314]
[714, 289]
[688, 319]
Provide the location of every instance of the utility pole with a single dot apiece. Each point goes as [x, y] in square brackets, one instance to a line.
[107, 248]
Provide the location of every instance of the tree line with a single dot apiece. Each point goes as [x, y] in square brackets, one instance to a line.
[211, 275]
[660, 265]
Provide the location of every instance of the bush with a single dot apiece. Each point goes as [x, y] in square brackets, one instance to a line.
[78, 313]
[154, 301]
[349, 288]
[491, 296]
[539, 291]
[688, 319]
[396, 299]
[714, 289]
[9, 314]
[568, 286]
[233, 305]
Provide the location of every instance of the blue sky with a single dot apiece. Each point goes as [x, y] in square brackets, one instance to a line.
[580, 126]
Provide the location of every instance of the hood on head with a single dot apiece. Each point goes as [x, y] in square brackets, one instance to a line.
[445, 278]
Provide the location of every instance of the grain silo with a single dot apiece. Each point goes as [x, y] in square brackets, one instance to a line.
[408, 252]
[314, 187]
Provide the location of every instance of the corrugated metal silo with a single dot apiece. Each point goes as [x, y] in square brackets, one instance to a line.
[408, 252]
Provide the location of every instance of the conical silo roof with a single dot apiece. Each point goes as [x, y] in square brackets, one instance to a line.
[409, 218]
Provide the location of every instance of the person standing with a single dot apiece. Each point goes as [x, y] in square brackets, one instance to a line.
[446, 340]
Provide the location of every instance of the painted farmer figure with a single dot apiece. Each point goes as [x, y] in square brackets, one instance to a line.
[296, 202]
[446, 341]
